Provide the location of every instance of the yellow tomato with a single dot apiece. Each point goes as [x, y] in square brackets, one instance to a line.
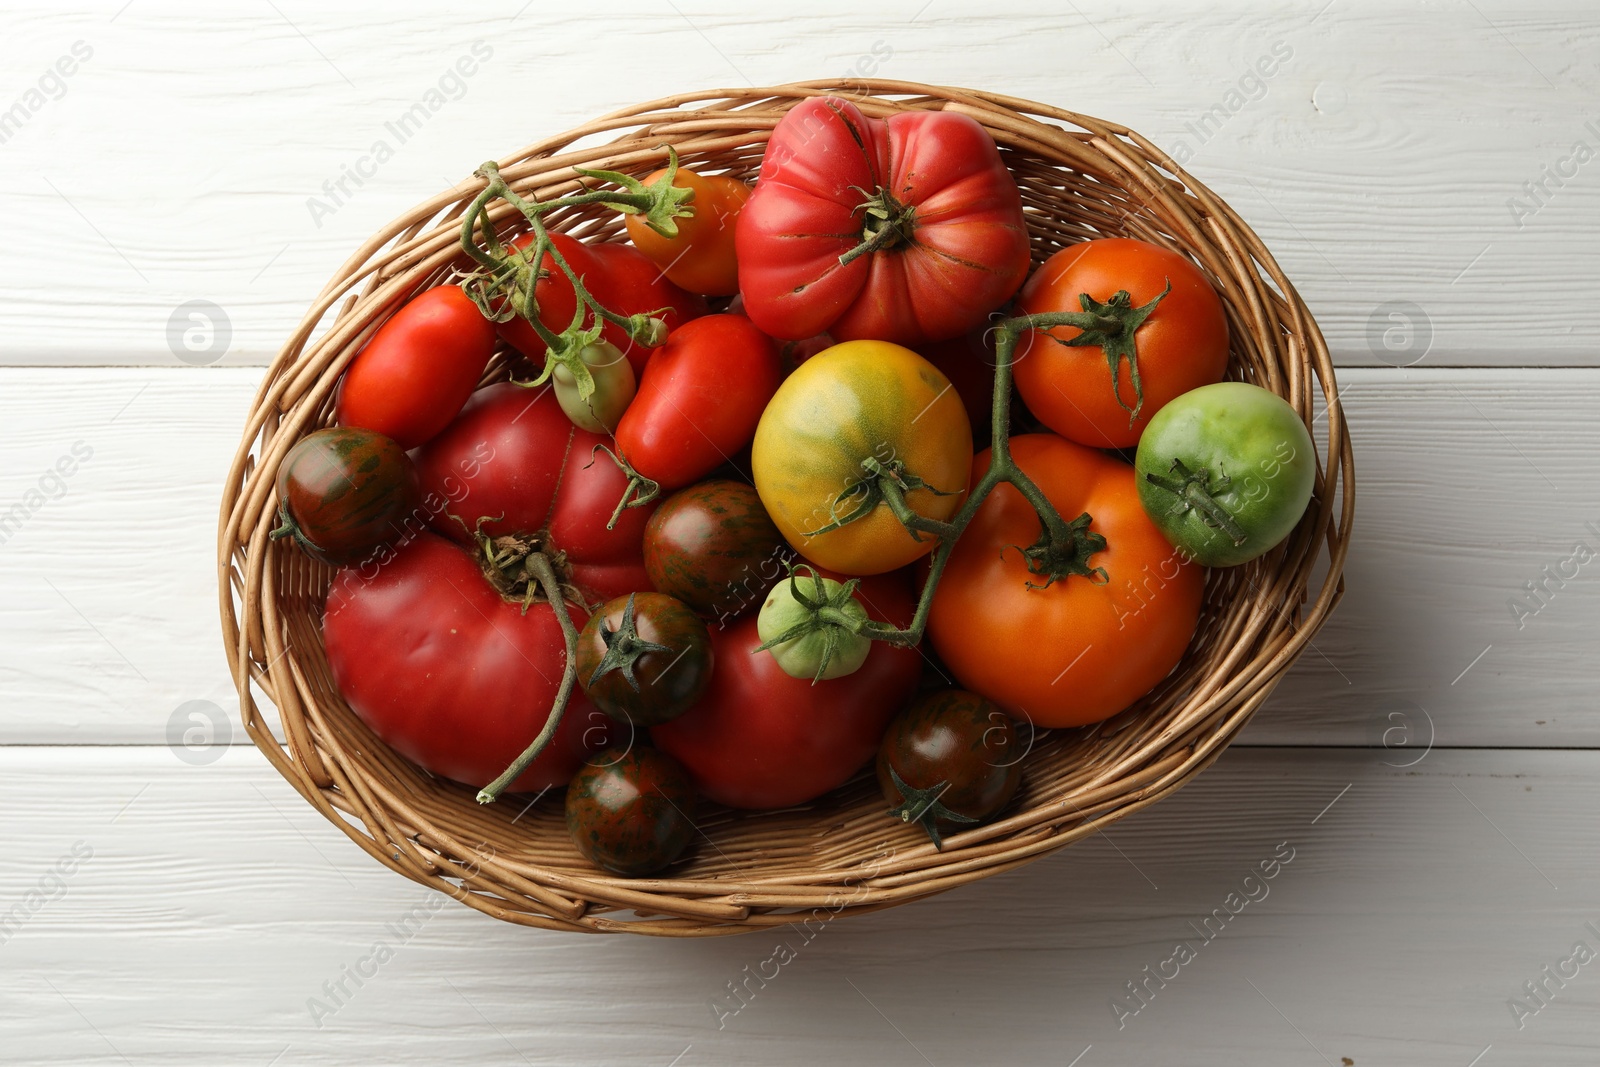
[849, 405]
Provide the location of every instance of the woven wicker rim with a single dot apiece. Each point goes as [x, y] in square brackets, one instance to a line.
[1080, 177]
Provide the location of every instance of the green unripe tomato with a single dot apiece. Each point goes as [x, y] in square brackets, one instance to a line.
[821, 644]
[614, 386]
[1225, 471]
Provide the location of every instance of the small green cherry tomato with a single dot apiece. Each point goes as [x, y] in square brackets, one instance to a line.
[644, 658]
[630, 810]
[806, 623]
[1225, 471]
[714, 547]
[951, 758]
[343, 492]
[613, 387]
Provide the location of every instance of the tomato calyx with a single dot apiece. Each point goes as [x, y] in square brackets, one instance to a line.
[1056, 557]
[511, 563]
[1111, 326]
[290, 528]
[923, 807]
[638, 492]
[887, 484]
[1195, 491]
[818, 635]
[886, 223]
[624, 648]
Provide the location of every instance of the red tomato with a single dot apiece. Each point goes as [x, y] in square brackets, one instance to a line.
[1182, 345]
[760, 739]
[954, 245]
[1076, 651]
[622, 279]
[700, 399]
[514, 460]
[419, 368]
[448, 673]
[629, 284]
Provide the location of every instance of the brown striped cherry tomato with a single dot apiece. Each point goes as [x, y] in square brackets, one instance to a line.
[950, 759]
[644, 658]
[714, 547]
[630, 810]
[343, 492]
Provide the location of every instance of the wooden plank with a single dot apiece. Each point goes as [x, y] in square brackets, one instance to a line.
[1379, 171]
[1471, 482]
[1406, 909]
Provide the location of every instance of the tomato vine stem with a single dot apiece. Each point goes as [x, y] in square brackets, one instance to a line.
[539, 567]
[1063, 549]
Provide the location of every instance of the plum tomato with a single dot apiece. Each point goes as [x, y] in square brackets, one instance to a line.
[950, 759]
[644, 658]
[631, 810]
[1226, 471]
[846, 418]
[412, 377]
[700, 399]
[343, 492]
[714, 547]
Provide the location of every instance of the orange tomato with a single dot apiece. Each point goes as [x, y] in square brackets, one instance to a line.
[1078, 650]
[1182, 345]
[701, 257]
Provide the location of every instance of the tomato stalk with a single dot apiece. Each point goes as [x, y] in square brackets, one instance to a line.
[1197, 492]
[1063, 550]
[506, 285]
[540, 569]
[1110, 326]
[886, 223]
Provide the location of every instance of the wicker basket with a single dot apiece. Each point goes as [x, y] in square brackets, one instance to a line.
[1080, 178]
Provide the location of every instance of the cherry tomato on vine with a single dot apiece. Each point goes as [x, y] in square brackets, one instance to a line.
[419, 368]
[449, 672]
[699, 400]
[861, 405]
[557, 300]
[344, 491]
[644, 658]
[700, 259]
[1072, 650]
[714, 547]
[906, 229]
[1158, 353]
[951, 759]
[631, 810]
[1226, 471]
[760, 739]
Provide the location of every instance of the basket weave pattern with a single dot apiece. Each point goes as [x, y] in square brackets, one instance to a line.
[1080, 178]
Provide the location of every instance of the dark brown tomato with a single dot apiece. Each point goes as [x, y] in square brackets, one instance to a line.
[644, 658]
[714, 547]
[344, 492]
[958, 757]
[629, 810]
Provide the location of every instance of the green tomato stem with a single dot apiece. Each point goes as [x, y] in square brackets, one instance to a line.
[538, 565]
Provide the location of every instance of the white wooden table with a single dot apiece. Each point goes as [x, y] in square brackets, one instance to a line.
[1426, 174]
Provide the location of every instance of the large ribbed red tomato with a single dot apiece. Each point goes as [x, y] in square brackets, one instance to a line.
[513, 463]
[907, 230]
[451, 675]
